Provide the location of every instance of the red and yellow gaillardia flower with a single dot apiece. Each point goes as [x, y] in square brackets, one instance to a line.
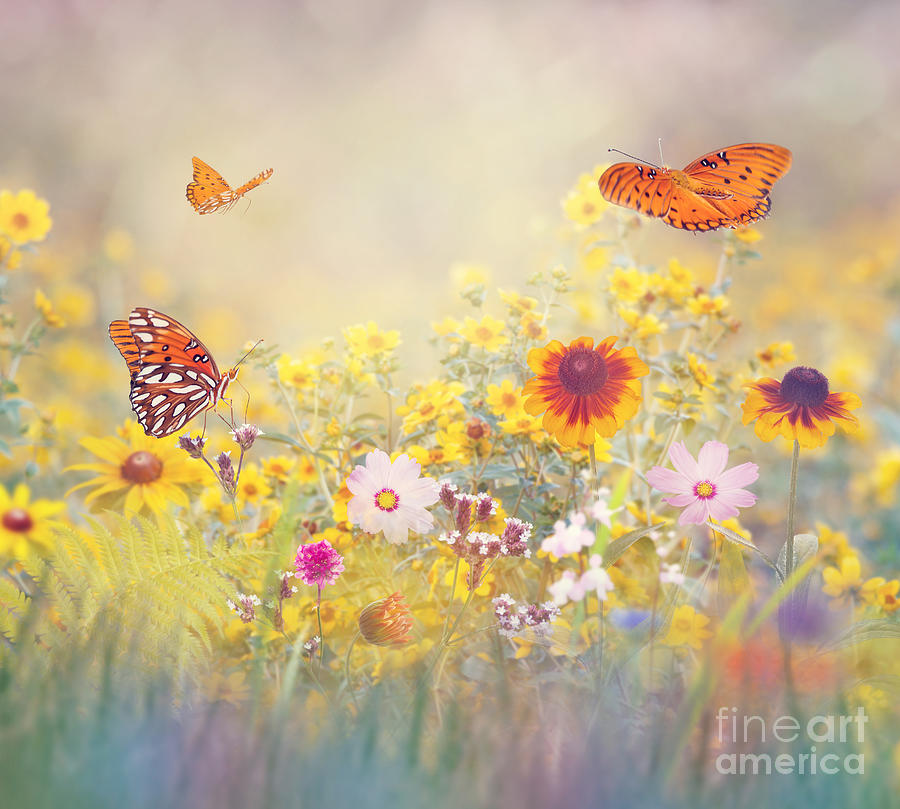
[582, 390]
[800, 408]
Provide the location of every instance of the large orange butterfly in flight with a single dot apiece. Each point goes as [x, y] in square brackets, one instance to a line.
[727, 188]
[173, 376]
[208, 192]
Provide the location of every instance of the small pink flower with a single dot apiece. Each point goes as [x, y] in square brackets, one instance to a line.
[703, 487]
[318, 563]
[392, 497]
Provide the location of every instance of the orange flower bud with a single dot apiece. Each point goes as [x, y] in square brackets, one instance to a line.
[386, 622]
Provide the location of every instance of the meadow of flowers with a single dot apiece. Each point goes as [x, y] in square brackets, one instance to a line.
[549, 571]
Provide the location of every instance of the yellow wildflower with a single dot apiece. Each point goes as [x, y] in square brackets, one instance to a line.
[516, 302]
[643, 326]
[278, 467]
[843, 582]
[366, 340]
[118, 246]
[504, 399]
[24, 217]
[628, 286]
[688, 628]
[427, 403]
[700, 372]
[466, 275]
[297, 373]
[26, 525]
[533, 327]
[584, 204]
[776, 353]
[446, 326]
[486, 333]
[45, 309]
[703, 304]
[10, 258]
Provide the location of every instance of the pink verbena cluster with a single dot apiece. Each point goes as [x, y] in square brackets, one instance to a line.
[479, 547]
[512, 620]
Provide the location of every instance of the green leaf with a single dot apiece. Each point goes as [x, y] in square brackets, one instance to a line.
[617, 547]
[862, 631]
[733, 577]
[731, 536]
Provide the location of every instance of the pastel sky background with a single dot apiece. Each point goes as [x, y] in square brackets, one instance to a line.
[407, 136]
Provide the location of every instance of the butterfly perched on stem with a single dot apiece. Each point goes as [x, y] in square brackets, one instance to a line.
[208, 192]
[727, 188]
[173, 376]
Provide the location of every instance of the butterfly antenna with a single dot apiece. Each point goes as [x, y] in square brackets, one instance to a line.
[661, 161]
[252, 349]
[639, 159]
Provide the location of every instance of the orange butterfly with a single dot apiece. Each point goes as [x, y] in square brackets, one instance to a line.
[209, 192]
[173, 376]
[727, 188]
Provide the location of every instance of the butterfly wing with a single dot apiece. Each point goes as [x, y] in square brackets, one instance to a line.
[208, 192]
[748, 170]
[173, 377]
[249, 186]
[690, 211]
[637, 186]
[120, 334]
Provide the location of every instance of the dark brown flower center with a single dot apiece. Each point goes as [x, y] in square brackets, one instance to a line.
[18, 520]
[804, 386]
[583, 371]
[142, 467]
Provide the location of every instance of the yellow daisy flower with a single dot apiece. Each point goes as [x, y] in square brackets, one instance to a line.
[279, 467]
[10, 258]
[426, 403]
[150, 472]
[504, 399]
[252, 486]
[45, 309]
[703, 304]
[688, 628]
[776, 353]
[446, 326]
[843, 582]
[584, 204]
[516, 302]
[486, 333]
[366, 340]
[643, 326]
[628, 286]
[297, 373]
[24, 525]
[24, 217]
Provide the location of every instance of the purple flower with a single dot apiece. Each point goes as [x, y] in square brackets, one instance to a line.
[703, 487]
[318, 563]
[245, 435]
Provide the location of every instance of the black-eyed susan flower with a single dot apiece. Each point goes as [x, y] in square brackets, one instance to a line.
[800, 408]
[386, 622]
[24, 217]
[583, 390]
[149, 472]
[26, 525]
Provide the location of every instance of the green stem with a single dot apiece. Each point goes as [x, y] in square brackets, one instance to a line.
[594, 475]
[347, 669]
[792, 499]
[321, 633]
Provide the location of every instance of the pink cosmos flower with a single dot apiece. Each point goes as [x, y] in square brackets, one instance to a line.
[703, 487]
[318, 563]
[391, 497]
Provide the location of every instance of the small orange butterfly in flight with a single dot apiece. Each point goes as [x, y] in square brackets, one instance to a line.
[727, 188]
[208, 192]
[173, 376]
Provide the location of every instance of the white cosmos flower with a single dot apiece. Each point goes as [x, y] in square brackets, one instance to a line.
[391, 497]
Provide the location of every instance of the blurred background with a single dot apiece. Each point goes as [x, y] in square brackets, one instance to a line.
[409, 136]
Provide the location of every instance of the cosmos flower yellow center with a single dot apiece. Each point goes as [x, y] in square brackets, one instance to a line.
[387, 500]
[142, 467]
[583, 371]
[704, 489]
[18, 520]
